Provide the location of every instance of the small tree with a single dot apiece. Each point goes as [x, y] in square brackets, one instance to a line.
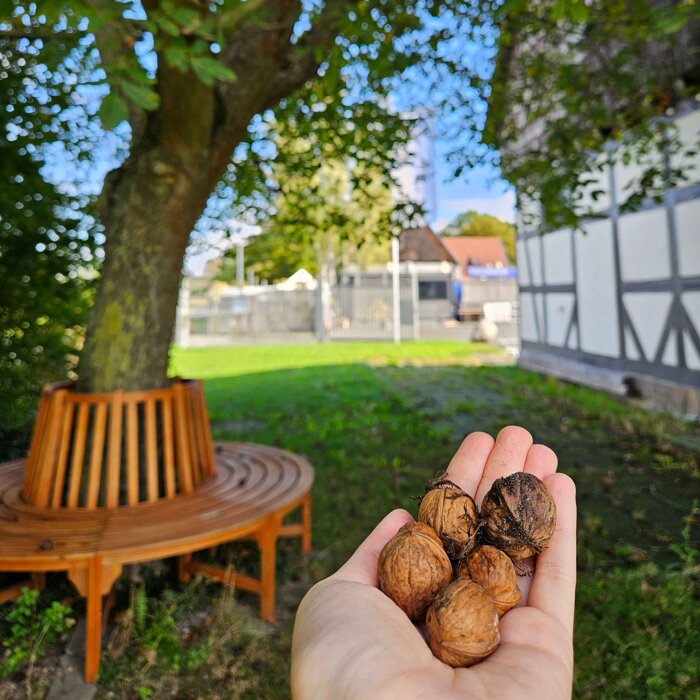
[473, 223]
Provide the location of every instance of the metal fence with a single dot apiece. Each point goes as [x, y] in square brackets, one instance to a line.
[354, 312]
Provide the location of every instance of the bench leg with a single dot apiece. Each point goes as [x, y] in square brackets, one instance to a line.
[93, 581]
[93, 610]
[306, 524]
[184, 572]
[267, 543]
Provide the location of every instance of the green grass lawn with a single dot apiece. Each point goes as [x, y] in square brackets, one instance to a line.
[377, 421]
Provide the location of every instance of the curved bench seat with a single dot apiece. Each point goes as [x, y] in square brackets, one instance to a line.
[253, 489]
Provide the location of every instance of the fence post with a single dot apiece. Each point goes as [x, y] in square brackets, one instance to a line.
[396, 292]
[415, 310]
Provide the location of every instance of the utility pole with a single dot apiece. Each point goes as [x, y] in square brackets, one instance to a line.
[240, 247]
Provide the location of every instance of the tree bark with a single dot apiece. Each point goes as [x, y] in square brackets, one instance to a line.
[148, 207]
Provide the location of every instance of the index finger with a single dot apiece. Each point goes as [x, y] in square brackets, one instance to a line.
[554, 583]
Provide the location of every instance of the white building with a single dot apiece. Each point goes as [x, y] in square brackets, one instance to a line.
[617, 304]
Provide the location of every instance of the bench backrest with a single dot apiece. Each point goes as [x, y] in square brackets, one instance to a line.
[93, 451]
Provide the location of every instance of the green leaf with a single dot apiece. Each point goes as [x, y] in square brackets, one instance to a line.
[673, 23]
[187, 18]
[113, 111]
[210, 69]
[177, 56]
[141, 96]
[167, 25]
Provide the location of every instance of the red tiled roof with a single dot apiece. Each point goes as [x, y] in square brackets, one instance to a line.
[476, 250]
[422, 245]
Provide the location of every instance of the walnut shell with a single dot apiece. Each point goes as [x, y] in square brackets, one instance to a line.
[518, 515]
[462, 624]
[413, 567]
[494, 571]
[452, 513]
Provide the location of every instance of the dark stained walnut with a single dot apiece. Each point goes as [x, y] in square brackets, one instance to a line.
[518, 515]
[413, 567]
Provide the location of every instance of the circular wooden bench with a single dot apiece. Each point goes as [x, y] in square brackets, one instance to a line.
[247, 494]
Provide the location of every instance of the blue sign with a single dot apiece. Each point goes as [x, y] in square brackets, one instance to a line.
[506, 272]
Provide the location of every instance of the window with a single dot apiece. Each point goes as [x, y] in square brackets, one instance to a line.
[432, 289]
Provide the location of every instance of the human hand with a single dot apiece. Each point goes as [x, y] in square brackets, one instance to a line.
[352, 641]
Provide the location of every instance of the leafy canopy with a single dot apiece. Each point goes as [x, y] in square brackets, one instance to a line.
[47, 247]
[580, 84]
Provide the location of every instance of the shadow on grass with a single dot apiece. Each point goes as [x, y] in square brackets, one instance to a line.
[376, 433]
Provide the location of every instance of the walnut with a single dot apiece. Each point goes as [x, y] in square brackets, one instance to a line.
[518, 515]
[462, 624]
[494, 571]
[413, 567]
[452, 513]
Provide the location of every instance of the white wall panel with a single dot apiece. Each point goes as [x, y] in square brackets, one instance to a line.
[573, 338]
[644, 245]
[648, 311]
[595, 283]
[523, 274]
[692, 359]
[533, 248]
[528, 328]
[688, 233]
[558, 265]
[559, 307]
[670, 356]
[691, 301]
[689, 133]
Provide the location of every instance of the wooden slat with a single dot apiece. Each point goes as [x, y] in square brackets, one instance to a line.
[96, 455]
[199, 435]
[206, 433]
[44, 480]
[59, 482]
[168, 454]
[193, 427]
[132, 453]
[114, 459]
[76, 465]
[151, 452]
[35, 446]
[184, 465]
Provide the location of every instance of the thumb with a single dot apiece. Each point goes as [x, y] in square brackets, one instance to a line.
[362, 565]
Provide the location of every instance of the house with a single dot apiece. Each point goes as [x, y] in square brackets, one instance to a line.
[615, 303]
[481, 257]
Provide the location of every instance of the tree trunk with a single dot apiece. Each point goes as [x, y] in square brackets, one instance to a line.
[152, 210]
[149, 206]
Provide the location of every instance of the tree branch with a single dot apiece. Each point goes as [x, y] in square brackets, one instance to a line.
[304, 58]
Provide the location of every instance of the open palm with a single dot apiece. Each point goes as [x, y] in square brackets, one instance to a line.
[351, 641]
